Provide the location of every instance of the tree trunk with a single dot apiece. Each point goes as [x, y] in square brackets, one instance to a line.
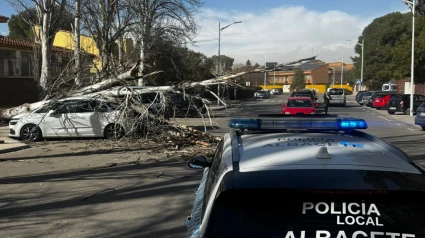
[142, 61]
[77, 43]
[46, 55]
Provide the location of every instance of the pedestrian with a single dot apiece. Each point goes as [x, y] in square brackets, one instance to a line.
[326, 98]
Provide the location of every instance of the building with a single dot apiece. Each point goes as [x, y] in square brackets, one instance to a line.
[65, 39]
[18, 65]
[335, 72]
[315, 72]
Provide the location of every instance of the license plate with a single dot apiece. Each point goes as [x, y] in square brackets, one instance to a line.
[392, 108]
[423, 114]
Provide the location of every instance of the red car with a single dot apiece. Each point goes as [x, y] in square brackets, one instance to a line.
[299, 105]
[381, 101]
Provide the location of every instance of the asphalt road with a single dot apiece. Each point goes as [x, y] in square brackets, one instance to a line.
[62, 190]
[398, 130]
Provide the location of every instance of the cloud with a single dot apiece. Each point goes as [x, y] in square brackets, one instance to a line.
[292, 31]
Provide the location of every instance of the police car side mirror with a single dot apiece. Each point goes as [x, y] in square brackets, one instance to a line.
[199, 162]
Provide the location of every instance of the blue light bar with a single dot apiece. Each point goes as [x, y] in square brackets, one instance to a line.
[245, 123]
[340, 124]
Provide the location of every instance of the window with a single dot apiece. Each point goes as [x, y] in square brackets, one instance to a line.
[12, 67]
[74, 107]
[213, 174]
[337, 92]
[26, 66]
[150, 98]
[421, 98]
[299, 103]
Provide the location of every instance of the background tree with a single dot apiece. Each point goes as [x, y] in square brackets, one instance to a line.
[226, 62]
[99, 19]
[19, 27]
[298, 81]
[248, 63]
[51, 15]
[174, 19]
[256, 65]
[387, 52]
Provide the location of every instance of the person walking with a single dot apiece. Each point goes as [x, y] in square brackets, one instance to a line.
[326, 98]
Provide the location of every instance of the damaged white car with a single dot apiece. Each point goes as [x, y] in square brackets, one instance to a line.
[71, 117]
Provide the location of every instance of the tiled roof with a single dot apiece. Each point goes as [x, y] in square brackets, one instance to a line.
[7, 41]
[4, 18]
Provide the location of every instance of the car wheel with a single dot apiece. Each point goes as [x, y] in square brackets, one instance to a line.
[390, 112]
[31, 132]
[113, 131]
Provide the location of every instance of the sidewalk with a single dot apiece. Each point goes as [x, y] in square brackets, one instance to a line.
[9, 144]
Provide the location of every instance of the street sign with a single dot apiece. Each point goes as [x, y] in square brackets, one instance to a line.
[358, 81]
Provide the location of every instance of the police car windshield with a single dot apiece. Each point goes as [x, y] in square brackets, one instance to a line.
[299, 103]
[330, 214]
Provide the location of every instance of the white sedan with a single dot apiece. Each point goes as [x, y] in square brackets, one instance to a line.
[71, 117]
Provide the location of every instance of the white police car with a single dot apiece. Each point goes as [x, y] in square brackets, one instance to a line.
[307, 177]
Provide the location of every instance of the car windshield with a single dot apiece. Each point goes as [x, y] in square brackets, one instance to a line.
[274, 213]
[336, 91]
[367, 94]
[299, 103]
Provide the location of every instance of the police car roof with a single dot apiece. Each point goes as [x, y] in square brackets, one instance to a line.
[293, 151]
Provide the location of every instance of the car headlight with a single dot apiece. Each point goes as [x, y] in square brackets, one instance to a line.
[12, 123]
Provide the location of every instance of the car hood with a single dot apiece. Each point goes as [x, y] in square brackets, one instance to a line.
[19, 116]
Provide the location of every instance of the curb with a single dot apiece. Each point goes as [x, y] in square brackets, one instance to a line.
[13, 149]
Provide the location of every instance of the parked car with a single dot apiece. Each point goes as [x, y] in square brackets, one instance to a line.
[369, 101]
[338, 96]
[313, 91]
[262, 94]
[381, 101]
[359, 96]
[71, 117]
[275, 91]
[401, 103]
[302, 93]
[299, 105]
[366, 96]
[420, 116]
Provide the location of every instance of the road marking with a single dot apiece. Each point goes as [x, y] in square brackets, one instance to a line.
[384, 118]
[398, 124]
[410, 129]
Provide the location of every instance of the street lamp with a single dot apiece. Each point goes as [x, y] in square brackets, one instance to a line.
[218, 63]
[361, 72]
[265, 72]
[412, 4]
[342, 71]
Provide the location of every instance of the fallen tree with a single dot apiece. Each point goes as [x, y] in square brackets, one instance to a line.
[104, 88]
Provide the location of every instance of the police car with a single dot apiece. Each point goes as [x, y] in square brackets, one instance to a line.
[310, 176]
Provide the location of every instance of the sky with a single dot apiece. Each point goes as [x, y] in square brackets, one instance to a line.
[281, 30]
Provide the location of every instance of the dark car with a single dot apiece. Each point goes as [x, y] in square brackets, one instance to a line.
[359, 96]
[262, 94]
[420, 116]
[185, 106]
[306, 93]
[369, 100]
[365, 97]
[401, 103]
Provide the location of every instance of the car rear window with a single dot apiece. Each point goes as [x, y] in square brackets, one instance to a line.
[299, 103]
[326, 214]
[336, 91]
[367, 94]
